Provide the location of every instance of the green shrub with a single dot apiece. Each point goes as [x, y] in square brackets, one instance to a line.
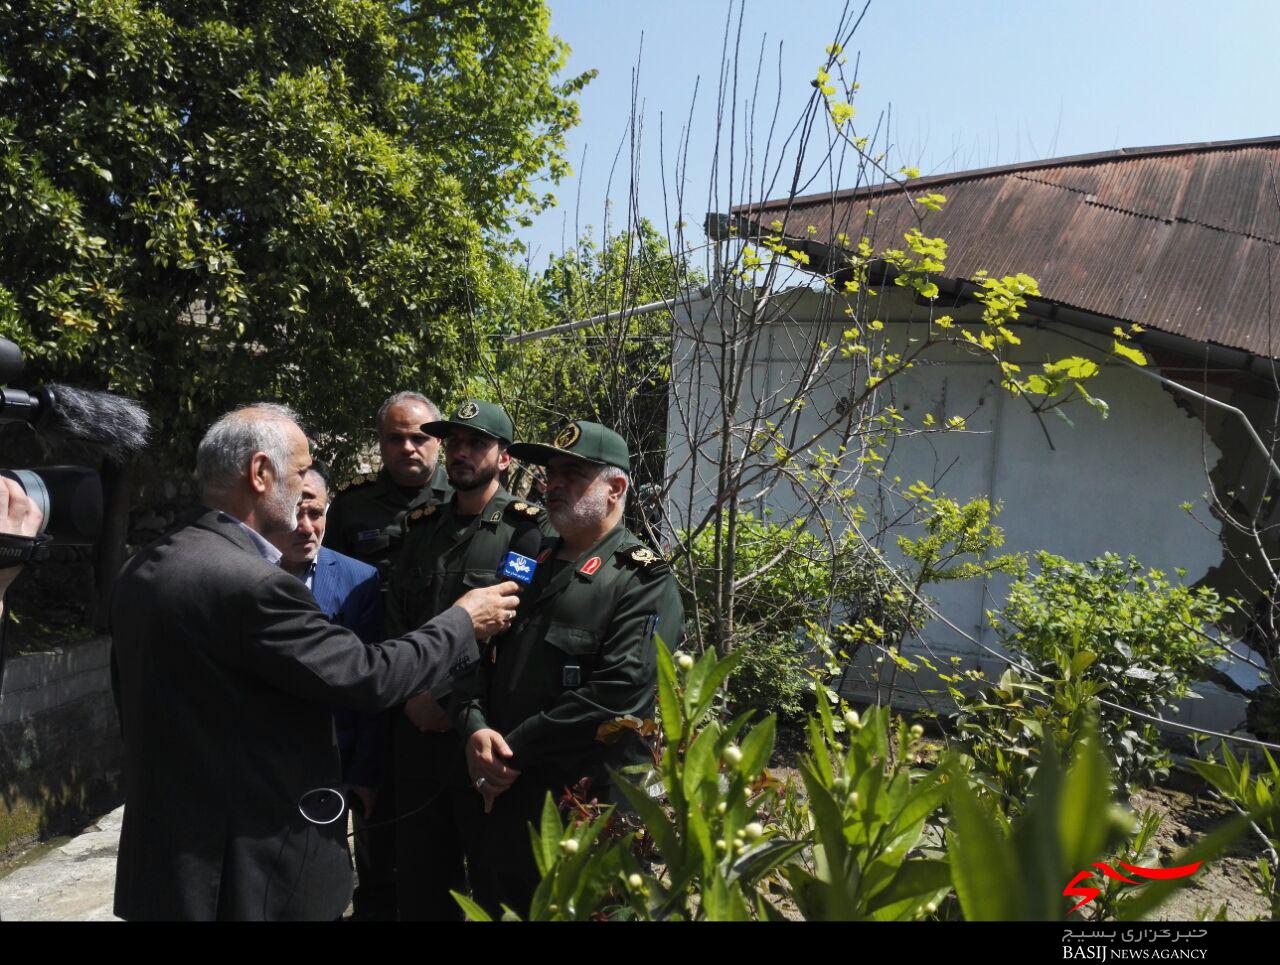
[1256, 794]
[793, 586]
[1104, 629]
[772, 677]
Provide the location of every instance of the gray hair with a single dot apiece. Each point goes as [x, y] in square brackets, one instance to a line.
[230, 443]
[407, 396]
[610, 473]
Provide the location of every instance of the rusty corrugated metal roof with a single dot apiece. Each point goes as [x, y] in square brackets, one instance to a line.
[1184, 238]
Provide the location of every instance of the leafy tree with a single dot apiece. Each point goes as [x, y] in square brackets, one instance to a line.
[616, 372]
[210, 201]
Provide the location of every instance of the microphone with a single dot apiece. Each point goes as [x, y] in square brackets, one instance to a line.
[115, 426]
[521, 561]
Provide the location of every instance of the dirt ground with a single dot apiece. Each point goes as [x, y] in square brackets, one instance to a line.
[1188, 816]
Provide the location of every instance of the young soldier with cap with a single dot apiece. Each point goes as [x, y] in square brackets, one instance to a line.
[580, 655]
[461, 543]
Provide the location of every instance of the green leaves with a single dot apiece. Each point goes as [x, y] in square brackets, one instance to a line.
[577, 876]
[855, 845]
[868, 815]
[1105, 627]
[983, 862]
[197, 195]
[1258, 798]
[1128, 352]
[1017, 871]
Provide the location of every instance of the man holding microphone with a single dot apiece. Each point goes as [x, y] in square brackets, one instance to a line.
[227, 673]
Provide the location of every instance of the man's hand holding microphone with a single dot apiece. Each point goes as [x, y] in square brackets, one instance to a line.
[492, 608]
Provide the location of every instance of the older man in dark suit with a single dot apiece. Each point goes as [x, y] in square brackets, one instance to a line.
[227, 672]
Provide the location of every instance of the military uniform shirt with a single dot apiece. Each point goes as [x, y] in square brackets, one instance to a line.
[366, 519]
[444, 556]
[580, 654]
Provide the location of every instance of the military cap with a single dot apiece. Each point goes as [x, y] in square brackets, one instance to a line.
[583, 440]
[484, 417]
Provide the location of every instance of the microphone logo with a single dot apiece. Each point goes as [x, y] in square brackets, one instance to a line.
[519, 568]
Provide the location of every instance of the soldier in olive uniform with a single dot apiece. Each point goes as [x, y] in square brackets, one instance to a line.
[580, 655]
[367, 517]
[447, 550]
[365, 521]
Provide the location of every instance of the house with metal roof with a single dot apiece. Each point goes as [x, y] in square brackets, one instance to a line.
[1183, 241]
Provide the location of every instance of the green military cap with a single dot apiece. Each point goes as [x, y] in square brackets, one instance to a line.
[484, 417]
[585, 440]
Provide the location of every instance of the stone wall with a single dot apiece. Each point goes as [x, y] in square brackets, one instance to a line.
[60, 746]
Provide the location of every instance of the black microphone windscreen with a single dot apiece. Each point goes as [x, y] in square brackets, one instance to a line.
[116, 426]
[528, 542]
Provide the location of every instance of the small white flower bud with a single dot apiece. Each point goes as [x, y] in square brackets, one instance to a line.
[684, 661]
[852, 719]
[569, 847]
[916, 732]
[753, 830]
[852, 800]
[732, 754]
[634, 880]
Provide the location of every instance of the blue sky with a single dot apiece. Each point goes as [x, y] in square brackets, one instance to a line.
[968, 84]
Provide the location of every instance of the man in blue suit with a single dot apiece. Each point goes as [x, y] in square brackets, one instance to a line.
[348, 592]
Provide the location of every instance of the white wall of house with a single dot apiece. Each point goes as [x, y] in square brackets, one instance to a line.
[1105, 485]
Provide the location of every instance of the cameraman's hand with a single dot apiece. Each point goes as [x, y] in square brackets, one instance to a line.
[18, 515]
[491, 608]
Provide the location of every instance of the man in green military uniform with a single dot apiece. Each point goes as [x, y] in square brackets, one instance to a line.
[367, 517]
[366, 520]
[580, 655]
[448, 548]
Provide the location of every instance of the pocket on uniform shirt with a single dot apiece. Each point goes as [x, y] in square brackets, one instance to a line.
[571, 640]
[474, 579]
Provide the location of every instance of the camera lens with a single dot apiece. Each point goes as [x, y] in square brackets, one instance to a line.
[69, 498]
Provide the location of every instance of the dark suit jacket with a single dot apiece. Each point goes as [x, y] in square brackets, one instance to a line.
[348, 592]
[227, 674]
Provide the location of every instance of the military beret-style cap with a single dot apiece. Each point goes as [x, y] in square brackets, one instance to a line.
[484, 417]
[584, 440]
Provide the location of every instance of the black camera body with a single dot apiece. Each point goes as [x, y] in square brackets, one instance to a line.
[68, 497]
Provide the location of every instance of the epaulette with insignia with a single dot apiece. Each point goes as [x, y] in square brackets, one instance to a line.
[418, 515]
[524, 510]
[358, 480]
[643, 558]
